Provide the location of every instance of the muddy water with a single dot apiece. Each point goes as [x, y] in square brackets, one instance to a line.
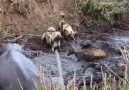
[83, 69]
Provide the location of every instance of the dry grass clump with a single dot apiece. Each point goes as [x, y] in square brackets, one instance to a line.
[22, 6]
[125, 55]
[108, 83]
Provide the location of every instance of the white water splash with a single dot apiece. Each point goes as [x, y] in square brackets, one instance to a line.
[60, 69]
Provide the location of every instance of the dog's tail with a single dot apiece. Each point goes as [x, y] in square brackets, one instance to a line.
[62, 14]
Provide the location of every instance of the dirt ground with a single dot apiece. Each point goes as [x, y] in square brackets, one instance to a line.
[39, 19]
[14, 26]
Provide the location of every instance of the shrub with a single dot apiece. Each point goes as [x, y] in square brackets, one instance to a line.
[109, 11]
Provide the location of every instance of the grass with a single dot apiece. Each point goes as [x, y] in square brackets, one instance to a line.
[25, 7]
[22, 6]
[111, 12]
[109, 82]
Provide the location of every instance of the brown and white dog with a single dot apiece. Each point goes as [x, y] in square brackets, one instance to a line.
[52, 38]
[66, 29]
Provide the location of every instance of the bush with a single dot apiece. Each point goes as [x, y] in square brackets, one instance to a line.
[111, 12]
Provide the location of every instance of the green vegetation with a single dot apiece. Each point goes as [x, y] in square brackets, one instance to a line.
[90, 22]
[109, 11]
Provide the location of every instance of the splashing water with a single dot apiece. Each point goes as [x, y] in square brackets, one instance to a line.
[60, 69]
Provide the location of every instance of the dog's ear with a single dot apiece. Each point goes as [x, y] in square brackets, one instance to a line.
[66, 32]
[58, 28]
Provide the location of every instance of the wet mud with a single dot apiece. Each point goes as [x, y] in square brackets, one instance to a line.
[112, 63]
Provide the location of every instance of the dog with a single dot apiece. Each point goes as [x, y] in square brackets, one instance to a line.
[66, 29]
[52, 38]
